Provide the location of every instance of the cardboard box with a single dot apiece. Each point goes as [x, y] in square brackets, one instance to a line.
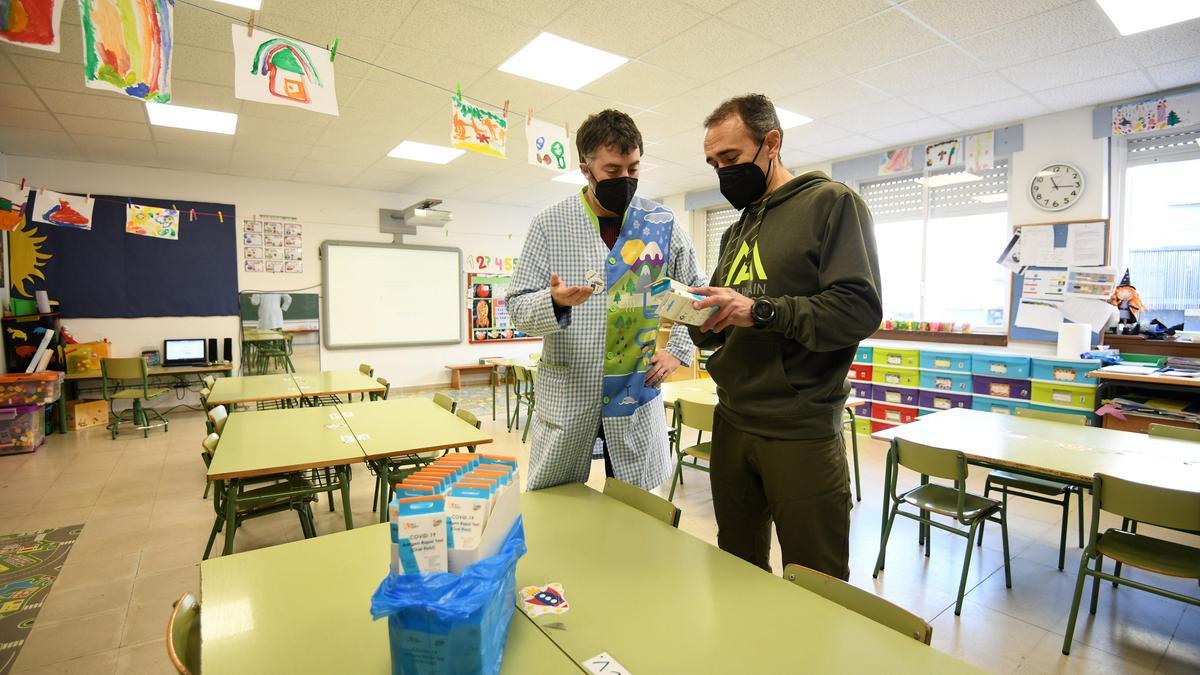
[85, 414]
[675, 303]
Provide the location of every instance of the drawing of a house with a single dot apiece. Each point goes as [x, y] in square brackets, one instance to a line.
[288, 68]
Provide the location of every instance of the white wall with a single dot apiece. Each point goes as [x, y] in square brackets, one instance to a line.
[328, 213]
[1060, 137]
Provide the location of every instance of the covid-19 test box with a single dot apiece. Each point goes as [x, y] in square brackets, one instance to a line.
[675, 302]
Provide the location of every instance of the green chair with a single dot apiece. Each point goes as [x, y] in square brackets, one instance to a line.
[366, 369]
[217, 418]
[525, 396]
[445, 402]
[1172, 509]
[650, 504]
[381, 396]
[470, 418]
[1040, 489]
[693, 415]
[1177, 433]
[183, 635]
[209, 381]
[130, 370]
[930, 498]
[860, 602]
[848, 422]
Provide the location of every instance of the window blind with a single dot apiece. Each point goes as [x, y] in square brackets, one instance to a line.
[1169, 147]
[894, 198]
[715, 223]
[988, 195]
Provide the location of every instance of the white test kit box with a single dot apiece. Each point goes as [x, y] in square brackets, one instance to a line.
[420, 535]
[503, 516]
[675, 302]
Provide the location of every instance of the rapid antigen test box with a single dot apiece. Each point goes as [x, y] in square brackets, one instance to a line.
[675, 302]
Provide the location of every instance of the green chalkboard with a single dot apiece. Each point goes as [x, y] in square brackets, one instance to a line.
[305, 307]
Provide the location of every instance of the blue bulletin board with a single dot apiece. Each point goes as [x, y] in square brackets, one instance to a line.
[1022, 334]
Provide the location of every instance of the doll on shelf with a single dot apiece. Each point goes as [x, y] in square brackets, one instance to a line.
[1126, 299]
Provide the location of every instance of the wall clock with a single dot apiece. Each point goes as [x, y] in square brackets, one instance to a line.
[1056, 187]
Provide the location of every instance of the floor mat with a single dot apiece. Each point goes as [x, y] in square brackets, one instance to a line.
[29, 564]
[477, 399]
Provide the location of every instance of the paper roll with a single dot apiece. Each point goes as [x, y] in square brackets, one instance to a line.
[1074, 339]
[43, 301]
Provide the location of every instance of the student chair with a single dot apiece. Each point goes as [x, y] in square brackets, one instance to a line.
[444, 401]
[130, 369]
[382, 395]
[848, 422]
[1040, 489]
[366, 369]
[470, 418]
[698, 416]
[183, 635]
[209, 381]
[930, 498]
[860, 601]
[217, 418]
[1172, 509]
[525, 397]
[650, 504]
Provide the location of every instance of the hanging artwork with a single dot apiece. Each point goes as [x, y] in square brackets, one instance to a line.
[476, 129]
[12, 205]
[942, 154]
[31, 23]
[548, 145]
[980, 151]
[55, 208]
[895, 161]
[1155, 114]
[127, 46]
[268, 68]
[152, 221]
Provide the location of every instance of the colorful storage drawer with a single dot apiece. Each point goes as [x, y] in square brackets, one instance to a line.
[959, 382]
[863, 354]
[860, 390]
[922, 413]
[860, 372]
[894, 395]
[955, 361]
[1073, 395]
[22, 428]
[895, 376]
[862, 409]
[998, 386]
[877, 426]
[1000, 366]
[1090, 417]
[996, 405]
[1063, 371]
[944, 401]
[892, 413]
[906, 358]
[862, 426]
[20, 389]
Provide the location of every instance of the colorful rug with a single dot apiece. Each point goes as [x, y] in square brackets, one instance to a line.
[477, 399]
[29, 564]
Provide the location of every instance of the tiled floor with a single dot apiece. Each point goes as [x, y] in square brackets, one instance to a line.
[146, 526]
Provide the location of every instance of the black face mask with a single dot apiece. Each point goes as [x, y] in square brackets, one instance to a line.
[615, 194]
[743, 183]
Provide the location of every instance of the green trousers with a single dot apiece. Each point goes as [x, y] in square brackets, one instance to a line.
[803, 486]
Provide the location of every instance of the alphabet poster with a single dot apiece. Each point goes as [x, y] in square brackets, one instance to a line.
[55, 208]
[548, 145]
[268, 68]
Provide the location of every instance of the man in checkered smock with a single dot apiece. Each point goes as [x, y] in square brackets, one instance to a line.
[583, 284]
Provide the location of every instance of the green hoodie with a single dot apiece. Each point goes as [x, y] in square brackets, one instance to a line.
[809, 247]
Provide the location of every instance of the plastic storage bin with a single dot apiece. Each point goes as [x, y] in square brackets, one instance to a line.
[904, 358]
[1063, 371]
[894, 395]
[899, 377]
[20, 389]
[22, 429]
[996, 405]
[998, 386]
[863, 354]
[893, 414]
[1000, 366]
[1073, 395]
[861, 390]
[958, 362]
[957, 382]
[862, 426]
[877, 426]
[860, 372]
[944, 401]
[1090, 417]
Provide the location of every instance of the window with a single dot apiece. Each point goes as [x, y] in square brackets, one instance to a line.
[716, 221]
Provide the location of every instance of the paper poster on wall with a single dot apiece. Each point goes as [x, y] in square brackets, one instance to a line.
[1087, 243]
[943, 154]
[478, 130]
[549, 147]
[293, 254]
[1044, 245]
[484, 263]
[127, 46]
[12, 204]
[487, 312]
[252, 239]
[1096, 283]
[254, 265]
[274, 266]
[293, 229]
[293, 267]
[1045, 284]
[55, 208]
[274, 240]
[31, 23]
[980, 151]
[152, 221]
[1156, 114]
[269, 68]
[252, 253]
[895, 161]
[1039, 314]
[272, 253]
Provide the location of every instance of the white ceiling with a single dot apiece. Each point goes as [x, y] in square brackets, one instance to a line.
[872, 73]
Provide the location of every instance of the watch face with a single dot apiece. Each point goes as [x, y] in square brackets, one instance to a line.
[1056, 187]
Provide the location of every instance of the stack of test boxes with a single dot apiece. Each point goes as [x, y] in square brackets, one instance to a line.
[452, 513]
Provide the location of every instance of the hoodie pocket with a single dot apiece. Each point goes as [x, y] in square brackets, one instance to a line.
[751, 372]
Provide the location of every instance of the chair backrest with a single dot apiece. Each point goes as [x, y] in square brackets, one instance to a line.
[445, 401]
[860, 601]
[209, 446]
[649, 504]
[524, 375]
[218, 417]
[387, 387]
[694, 415]
[931, 461]
[205, 392]
[1065, 418]
[131, 368]
[1175, 509]
[366, 369]
[183, 635]
[1178, 433]
[209, 381]
[468, 417]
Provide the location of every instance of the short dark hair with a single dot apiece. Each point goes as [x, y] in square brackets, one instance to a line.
[607, 128]
[756, 110]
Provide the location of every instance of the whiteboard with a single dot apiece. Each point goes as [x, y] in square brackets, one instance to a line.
[383, 295]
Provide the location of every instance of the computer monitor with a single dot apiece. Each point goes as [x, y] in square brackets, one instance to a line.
[186, 352]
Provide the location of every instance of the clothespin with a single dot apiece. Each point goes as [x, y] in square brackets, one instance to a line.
[333, 48]
[175, 208]
[89, 197]
[192, 216]
[250, 26]
[567, 126]
[220, 217]
[505, 108]
[446, 230]
[22, 184]
[458, 89]
[529, 117]
[129, 202]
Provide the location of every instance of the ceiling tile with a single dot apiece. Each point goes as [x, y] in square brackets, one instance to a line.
[868, 118]
[690, 109]
[250, 145]
[831, 98]
[357, 155]
[416, 66]
[574, 108]
[996, 113]
[711, 47]
[201, 28]
[476, 36]
[188, 137]
[386, 181]
[910, 132]
[536, 13]
[1166, 44]
[288, 133]
[207, 96]
[262, 165]
[108, 150]
[17, 118]
[784, 73]
[711, 6]
[930, 68]
[1085, 63]
[964, 93]
[96, 126]
[813, 133]
[20, 96]
[666, 17]
[890, 35]
[94, 104]
[494, 88]
[202, 65]
[845, 147]
[48, 73]
[191, 158]
[37, 143]
[789, 23]
[285, 113]
[1053, 32]
[8, 72]
[1176, 73]
[328, 170]
[1092, 92]
[641, 85]
[960, 18]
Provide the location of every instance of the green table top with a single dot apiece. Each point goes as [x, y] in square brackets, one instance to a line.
[275, 441]
[304, 607]
[406, 426]
[228, 390]
[658, 600]
[1055, 449]
[335, 382]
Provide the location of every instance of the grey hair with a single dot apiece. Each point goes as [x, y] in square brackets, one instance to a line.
[756, 110]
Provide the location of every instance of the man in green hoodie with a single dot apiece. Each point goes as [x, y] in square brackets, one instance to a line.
[797, 288]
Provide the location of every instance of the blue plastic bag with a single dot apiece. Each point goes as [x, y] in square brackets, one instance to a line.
[448, 623]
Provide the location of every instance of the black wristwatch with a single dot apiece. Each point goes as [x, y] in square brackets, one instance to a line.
[762, 313]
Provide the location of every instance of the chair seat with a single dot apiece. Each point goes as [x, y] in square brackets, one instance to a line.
[272, 496]
[1148, 553]
[944, 500]
[702, 451]
[138, 393]
[1038, 485]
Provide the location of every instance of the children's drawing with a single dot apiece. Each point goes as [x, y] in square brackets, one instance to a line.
[152, 221]
[127, 46]
[55, 208]
[31, 23]
[548, 146]
[476, 129]
[12, 205]
[895, 161]
[980, 151]
[943, 154]
[1155, 114]
[268, 68]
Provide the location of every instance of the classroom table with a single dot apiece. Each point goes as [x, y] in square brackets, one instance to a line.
[71, 382]
[704, 390]
[253, 388]
[255, 339]
[659, 600]
[304, 607]
[1154, 384]
[508, 366]
[336, 382]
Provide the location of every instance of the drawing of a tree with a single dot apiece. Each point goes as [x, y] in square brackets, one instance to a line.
[1172, 119]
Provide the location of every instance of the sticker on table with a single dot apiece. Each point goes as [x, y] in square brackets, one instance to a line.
[603, 663]
[548, 599]
[335, 426]
[348, 438]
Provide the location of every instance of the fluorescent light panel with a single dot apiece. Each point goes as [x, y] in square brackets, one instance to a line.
[942, 180]
[561, 62]
[248, 4]
[1135, 16]
[424, 152]
[196, 119]
[573, 177]
[789, 119]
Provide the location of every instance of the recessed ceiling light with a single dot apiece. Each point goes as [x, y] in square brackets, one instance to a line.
[564, 63]
[992, 198]
[789, 119]
[1135, 16]
[573, 177]
[944, 179]
[424, 152]
[248, 4]
[196, 119]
